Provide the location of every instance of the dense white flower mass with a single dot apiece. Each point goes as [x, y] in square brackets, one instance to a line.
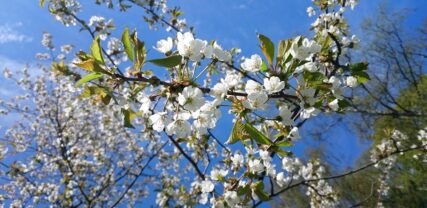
[90, 143]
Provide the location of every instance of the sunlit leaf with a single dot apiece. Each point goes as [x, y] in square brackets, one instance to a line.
[264, 67]
[236, 132]
[97, 51]
[128, 116]
[257, 135]
[259, 191]
[168, 62]
[88, 78]
[267, 48]
[361, 76]
[127, 45]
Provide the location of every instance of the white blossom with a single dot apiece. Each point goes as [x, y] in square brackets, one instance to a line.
[305, 50]
[164, 46]
[334, 105]
[273, 84]
[207, 186]
[159, 120]
[191, 98]
[252, 64]
[218, 174]
[310, 11]
[256, 166]
[351, 81]
[256, 100]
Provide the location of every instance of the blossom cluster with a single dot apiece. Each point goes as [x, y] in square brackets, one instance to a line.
[297, 84]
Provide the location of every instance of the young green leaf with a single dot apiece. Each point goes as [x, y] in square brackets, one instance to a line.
[88, 77]
[140, 54]
[361, 76]
[257, 135]
[236, 132]
[359, 67]
[283, 47]
[127, 45]
[264, 67]
[89, 65]
[41, 3]
[284, 144]
[168, 62]
[128, 116]
[267, 48]
[259, 191]
[97, 51]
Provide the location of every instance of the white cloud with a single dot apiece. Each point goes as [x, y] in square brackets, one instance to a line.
[11, 64]
[9, 34]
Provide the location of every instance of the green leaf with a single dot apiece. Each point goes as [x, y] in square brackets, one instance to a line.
[323, 86]
[88, 78]
[89, 91]
[313, 76]
[139, 50]
[236, 132]
[97, 51]
[128, 116]
[244, 190]
[284, 144]
[326, 44]
[283, 48]
[267, 48]
[168, 62]
[106, 99]
[127, 44]
[41, 3]
[282, 152]
[257, 135]
[140, 54]
[264, 67]
[343, 103]
[87, 65]
[359, 67]
[259, 191]
[361, 76]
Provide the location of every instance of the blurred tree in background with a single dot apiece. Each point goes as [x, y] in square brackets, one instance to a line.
[395, 99]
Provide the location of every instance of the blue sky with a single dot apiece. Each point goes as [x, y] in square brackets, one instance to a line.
[233, 23]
